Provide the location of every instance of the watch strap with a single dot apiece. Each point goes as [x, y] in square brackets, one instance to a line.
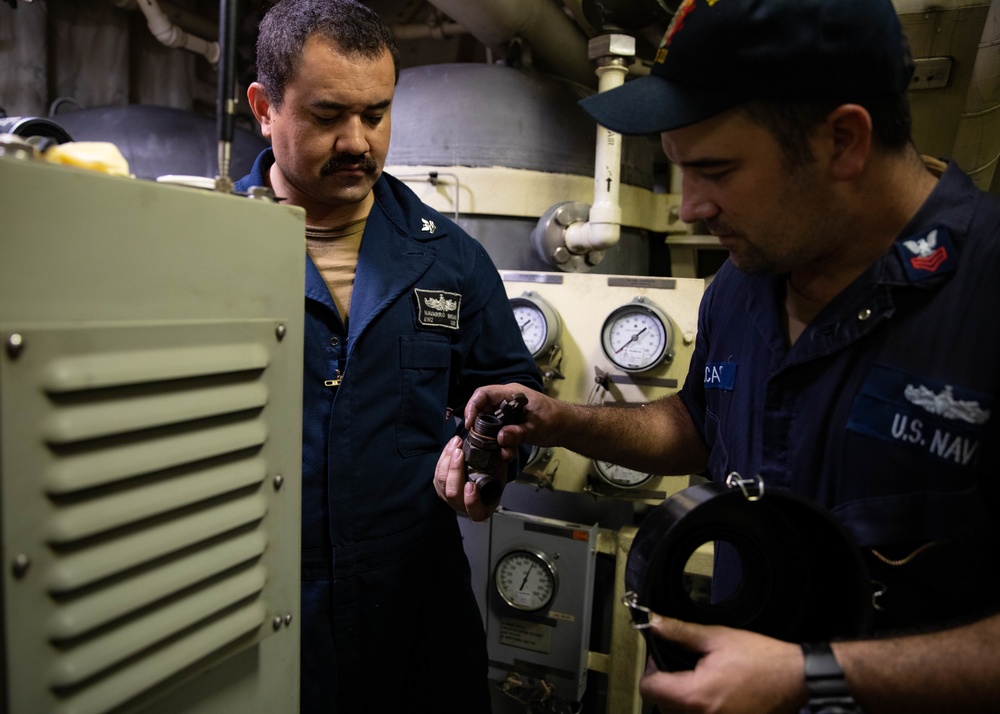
[825, 684]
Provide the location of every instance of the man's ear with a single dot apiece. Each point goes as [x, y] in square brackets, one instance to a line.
[261, 107]
[849, 129]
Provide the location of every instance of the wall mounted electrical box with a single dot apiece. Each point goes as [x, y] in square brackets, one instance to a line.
[150, 445]
[539, 601]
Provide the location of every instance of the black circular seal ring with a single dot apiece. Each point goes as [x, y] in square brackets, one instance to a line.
[802, 577]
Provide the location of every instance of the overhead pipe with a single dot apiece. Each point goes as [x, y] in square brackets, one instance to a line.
[171, 35]
[558, 45]
[186, 19]
[424, 31]
[573, 236]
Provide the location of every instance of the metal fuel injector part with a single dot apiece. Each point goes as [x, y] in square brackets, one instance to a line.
[482, 450]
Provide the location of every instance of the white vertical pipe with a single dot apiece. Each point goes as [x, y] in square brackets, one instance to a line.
[603, 229]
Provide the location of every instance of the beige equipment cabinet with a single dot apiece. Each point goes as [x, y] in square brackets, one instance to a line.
[150, 431]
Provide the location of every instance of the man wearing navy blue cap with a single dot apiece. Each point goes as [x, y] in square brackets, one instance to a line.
[846, 351]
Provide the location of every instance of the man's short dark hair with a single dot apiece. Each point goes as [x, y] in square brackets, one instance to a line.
[792, 123]
[283, 32]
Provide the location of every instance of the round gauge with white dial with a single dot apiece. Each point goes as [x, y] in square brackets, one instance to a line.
[637, 336]
[526, 579]
[620, 476]
[539, 322]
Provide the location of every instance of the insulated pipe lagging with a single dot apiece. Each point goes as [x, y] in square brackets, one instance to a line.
[558, 45]
[977, 141]
[602, 230]
[172, 36]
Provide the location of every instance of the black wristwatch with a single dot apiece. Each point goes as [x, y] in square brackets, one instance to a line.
[825, 684]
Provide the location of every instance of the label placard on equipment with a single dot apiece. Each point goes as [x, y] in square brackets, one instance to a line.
[526, 635]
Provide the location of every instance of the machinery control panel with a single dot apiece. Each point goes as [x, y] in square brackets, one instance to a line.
[603, 339]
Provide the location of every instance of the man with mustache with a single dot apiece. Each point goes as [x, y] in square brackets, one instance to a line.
[405, 316]
[847, 351]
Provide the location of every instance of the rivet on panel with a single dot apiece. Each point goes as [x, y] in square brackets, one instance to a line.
[288, 620]
[280, 331]
[278, 481]
[277, 622]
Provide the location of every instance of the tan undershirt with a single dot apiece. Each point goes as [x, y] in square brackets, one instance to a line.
[334, 251]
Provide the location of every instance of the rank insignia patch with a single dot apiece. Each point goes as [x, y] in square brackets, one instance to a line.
[927, 255]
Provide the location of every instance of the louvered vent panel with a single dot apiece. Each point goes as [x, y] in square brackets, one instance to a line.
[154, 484]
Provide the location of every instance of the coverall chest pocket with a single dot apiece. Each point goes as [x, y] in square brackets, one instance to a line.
[424, 362]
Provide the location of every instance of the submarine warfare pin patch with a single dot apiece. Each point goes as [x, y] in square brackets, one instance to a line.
[436, 308]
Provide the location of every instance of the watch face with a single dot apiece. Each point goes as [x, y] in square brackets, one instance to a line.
[539, 322]
[637, 337]
[526, 579]
[620, 476]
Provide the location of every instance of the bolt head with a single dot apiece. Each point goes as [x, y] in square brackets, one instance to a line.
[20, 565]
[15, 344]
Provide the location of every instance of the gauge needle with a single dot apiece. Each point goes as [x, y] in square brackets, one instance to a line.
[526, 574]
[525, 324]
[633, 338]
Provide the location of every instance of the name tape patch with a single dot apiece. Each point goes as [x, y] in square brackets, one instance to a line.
[720, 375]
[437, 308]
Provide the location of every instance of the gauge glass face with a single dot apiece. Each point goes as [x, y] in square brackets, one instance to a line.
[620, 476]
[526, 580]
[534, 326]
[635, 338]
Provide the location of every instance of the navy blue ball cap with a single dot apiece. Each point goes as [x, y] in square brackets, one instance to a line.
[717, 54]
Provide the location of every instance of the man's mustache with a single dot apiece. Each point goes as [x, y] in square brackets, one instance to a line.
[348, 161]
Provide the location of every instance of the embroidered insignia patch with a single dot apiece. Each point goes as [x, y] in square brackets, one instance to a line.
[945, 420]
[437, 308]
[720, 375]
[927, 255]
[427, 226]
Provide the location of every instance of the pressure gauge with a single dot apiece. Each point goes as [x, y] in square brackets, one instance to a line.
[637, 336]
[619, 476]
[539, 322]
[526, 579]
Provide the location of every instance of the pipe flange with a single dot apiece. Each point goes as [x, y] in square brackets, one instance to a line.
[549, 237]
